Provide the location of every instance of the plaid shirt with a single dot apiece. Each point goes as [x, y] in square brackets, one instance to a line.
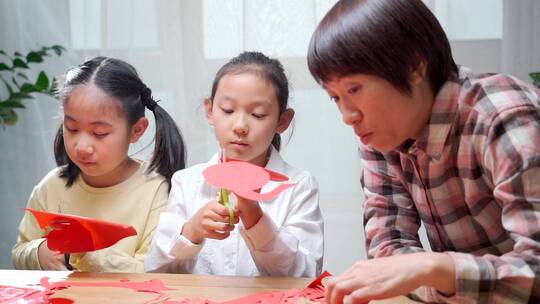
[473, 179]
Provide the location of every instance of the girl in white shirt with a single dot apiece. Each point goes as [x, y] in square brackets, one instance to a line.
[282, 237]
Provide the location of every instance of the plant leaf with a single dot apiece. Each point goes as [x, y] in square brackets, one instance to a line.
[23, 76]
[9, 116]
[53, 87]
[20, 95]
[11, 104]
[42, 82]
[28, 88]
[4, 67]
[10, 90]
[17, 62]
[58, 49]
[34, 57]
[17, 54]
[15, 82]
[2, 52]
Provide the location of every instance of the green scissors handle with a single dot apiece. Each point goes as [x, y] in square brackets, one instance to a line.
[224, 199]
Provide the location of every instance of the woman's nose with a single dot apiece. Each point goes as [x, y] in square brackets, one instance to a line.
[350, 115]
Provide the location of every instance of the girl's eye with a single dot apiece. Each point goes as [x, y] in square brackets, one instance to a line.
[259, 116]
[226, 111]
[334, 98]
[70, 130]
[101, 134]
[353, 89]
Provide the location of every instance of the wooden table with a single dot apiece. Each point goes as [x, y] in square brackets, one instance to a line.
[217, 288]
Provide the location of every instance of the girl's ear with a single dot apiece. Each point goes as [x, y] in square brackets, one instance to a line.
[208, 109]
[138, 129]
[284, 120]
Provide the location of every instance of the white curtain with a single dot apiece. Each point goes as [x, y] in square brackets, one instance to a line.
[177, 47]
[521, 38]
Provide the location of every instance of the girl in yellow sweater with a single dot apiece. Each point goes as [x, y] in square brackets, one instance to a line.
[104, 104]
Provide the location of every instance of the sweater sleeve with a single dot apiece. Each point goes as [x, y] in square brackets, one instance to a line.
[24, 254]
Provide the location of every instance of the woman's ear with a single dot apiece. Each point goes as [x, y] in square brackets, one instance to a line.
[419, 73]
[284, 120]
[138, 129]
[208, 110]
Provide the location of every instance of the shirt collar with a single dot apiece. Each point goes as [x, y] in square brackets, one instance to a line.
[443, 116]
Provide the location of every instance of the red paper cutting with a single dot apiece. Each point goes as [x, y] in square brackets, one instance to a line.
[11, 294]
[75, 234]
[314, 292]
[155, 286]
[245, 179]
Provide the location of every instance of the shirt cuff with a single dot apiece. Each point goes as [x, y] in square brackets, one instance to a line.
[183, 248]
[168, 237]
[473, 275]
[260, 234]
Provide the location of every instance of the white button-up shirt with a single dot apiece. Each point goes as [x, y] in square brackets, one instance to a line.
[287, 240]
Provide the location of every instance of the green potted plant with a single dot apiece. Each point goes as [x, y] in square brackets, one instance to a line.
[18, 86]
[536, 78]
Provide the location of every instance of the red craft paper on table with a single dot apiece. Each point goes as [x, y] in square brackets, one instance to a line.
[154, 286]
[314, 292]
[74, 234]
[11, 294]
[245, 179]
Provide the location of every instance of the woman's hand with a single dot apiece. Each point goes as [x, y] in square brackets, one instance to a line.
[393, 276]
[50, 260]
[211, 221]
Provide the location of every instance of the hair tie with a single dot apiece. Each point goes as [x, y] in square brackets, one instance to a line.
[147, 100]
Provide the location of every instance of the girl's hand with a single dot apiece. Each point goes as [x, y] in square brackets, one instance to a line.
[211, 221]
[50, 260]
[250, 211]
[393, 276]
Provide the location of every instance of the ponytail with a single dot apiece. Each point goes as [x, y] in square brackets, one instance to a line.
[276, 141]
[169, 153]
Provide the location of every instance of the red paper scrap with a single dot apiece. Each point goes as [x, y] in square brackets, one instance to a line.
[75, 234]
[11, 294]
[245, 179]
[152, 286]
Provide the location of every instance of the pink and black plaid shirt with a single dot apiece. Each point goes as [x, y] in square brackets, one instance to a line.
[473, 179]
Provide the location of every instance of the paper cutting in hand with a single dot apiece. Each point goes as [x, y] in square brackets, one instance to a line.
[245, 179]
[75, 234]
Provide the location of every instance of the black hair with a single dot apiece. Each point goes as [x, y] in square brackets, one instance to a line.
[119, 79]
[268, 69]
[388, 39]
